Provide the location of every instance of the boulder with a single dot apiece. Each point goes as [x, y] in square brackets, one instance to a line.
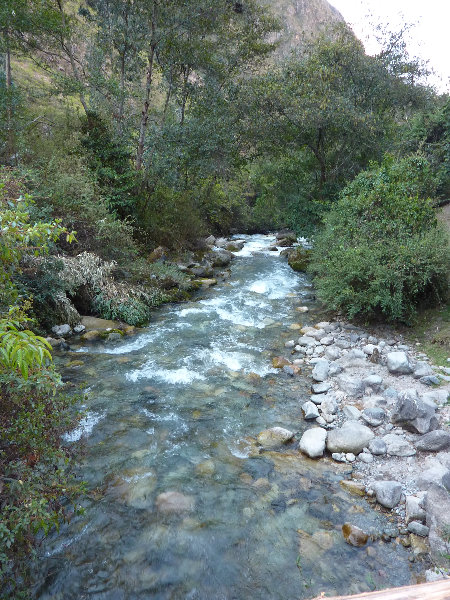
[388, 493]
[414, 510]
[378, 447]
[274, 437]
[413, 414]
[306, 340]
[422, 369]
[399, 363]
[321, 388]
[351, 412]
[313, 441]
[321, 369]
[397, 445]
[62, 330]
[99, 324]
[352, 386]
[437, 507]
[299, 258]
[418, 528]
[210, 240]
[374, 416]
[329, 404]
[375, 382]
[221, 258]
[354, 535]
[310, 410]
[279, 362]
[351, 437]
[434, 441]
[174, 503]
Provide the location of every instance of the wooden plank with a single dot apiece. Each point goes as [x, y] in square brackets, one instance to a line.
[437, 590]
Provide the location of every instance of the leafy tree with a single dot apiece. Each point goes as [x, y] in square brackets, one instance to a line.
[382, 251]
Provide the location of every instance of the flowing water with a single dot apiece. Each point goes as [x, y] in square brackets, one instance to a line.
[173, 410]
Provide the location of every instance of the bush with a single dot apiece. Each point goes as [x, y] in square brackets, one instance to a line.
[382, 251]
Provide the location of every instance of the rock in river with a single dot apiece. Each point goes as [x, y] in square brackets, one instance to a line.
[351, 437]
[354, 535]
[276, 436]
[174, 502]
[313, 441]
[388, 493]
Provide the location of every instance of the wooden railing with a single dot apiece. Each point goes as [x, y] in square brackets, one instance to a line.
[439, 590]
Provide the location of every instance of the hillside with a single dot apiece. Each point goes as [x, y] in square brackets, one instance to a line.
[303, 20]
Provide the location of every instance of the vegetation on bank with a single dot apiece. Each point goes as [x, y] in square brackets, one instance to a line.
[151, 124]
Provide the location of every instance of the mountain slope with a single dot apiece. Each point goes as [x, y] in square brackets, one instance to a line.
[302, 20]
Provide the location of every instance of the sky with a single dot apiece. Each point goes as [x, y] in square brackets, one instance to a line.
[429, 39]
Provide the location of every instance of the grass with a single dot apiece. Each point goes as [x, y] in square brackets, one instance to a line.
[432, 330]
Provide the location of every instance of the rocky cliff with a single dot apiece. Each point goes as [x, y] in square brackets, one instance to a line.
[301, 20]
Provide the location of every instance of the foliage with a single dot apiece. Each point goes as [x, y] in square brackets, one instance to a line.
[22, 350]
[382, 251]
[19, 237]
[36, 488]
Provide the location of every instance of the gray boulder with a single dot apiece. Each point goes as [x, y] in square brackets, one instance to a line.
[321, 388]
[310, 410]
[351, 437]
[418, 528]
[437, 507]
[374, 416]
[434, 441]
[352, 386]
[413, 414]
[430, 380]
[351, 412]
[221, 258]
[321, 369]
[414, 510]
[399, 363]
[375, 382]
[422, 370]
[388, 493]
[329, 404]
[313, 441]
[377, 447]
[396, 445]
[62, 330]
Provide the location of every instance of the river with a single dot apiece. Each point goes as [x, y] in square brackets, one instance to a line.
[173, 410]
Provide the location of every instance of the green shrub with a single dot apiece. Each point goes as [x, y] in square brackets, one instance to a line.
[382, 251]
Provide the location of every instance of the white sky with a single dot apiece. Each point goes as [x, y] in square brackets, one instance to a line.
[428, 40]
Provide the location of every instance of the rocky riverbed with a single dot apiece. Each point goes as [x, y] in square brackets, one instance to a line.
[380, 406]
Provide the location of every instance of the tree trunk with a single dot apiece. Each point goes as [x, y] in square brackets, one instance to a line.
[10, 135]
[68, 50]
[145, 109]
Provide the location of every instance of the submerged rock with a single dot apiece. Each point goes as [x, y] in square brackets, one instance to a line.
[278, 362]
[354, 535]
[276, 436]
[174, 503]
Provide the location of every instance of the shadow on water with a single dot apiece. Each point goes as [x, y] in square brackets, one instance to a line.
[173, 410]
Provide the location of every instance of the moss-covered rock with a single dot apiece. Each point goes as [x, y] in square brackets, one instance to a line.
[299, 258]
